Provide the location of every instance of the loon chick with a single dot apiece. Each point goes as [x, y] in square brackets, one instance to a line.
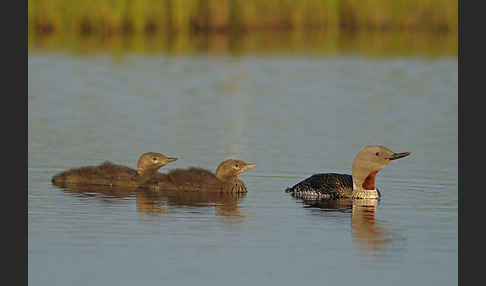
[193, 179]
[110, 174]
[361, 185]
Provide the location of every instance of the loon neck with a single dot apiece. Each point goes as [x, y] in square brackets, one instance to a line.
[369, 181]
[364, 185]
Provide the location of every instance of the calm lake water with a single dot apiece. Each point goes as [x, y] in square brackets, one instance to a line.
[293, 114]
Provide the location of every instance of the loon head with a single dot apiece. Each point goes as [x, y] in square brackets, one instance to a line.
[151, 162]
[229, 169]
[368, 162]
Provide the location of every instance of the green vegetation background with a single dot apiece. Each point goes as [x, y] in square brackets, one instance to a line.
[186, 24]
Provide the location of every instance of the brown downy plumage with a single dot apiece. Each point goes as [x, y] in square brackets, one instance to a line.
[194, 179]
[110, 174]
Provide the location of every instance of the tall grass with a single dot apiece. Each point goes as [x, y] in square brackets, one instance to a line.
[171, 16]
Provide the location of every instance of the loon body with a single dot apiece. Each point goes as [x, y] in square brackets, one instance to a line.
[110, 174]
[193, 179]
[361, 185]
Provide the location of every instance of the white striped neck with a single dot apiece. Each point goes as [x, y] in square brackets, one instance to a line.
[365, 194]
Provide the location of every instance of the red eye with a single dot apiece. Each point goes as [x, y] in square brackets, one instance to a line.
[377, 153]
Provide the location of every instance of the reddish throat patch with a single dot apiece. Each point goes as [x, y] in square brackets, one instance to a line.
[369, 182]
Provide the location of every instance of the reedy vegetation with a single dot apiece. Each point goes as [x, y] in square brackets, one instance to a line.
[109, 17]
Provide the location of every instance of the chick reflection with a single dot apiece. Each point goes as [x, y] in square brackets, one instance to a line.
[116, 192]
[225, 204]
[368, 235]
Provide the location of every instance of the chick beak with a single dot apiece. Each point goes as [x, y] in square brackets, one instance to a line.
[249, 166]
[172, 159]
[246, 167]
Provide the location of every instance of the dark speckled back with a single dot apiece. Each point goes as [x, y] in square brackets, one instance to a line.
[327, 186]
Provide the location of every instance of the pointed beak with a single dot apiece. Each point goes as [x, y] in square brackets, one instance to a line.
[172, 159]
[249, 166]
[399, 155]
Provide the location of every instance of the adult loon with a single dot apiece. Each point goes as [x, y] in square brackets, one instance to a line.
[110, 174]
[193, 179]
[361, 185]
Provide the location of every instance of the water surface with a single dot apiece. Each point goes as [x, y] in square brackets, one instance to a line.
[293, 114]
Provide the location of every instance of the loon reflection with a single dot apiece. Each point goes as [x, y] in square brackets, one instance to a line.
[368, 234]
[225, 204]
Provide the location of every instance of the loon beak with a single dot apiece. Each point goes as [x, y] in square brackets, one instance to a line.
[249, 166]
[172, 159]
[399, 155]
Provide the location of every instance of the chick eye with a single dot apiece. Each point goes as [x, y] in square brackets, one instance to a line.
[154, 159]
[377, 153]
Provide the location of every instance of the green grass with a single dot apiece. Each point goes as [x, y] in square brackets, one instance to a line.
[109, 17]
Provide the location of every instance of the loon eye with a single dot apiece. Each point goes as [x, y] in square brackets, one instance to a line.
[377, 153]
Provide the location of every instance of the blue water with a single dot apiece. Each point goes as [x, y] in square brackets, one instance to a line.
[294, 116]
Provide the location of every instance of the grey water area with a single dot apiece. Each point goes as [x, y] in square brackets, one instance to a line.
[294, 115]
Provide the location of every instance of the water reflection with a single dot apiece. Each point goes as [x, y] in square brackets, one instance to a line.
[233, 101]
[156, 203]
[369, 236]
[115, 192]
[376, 44]
[225, 204]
